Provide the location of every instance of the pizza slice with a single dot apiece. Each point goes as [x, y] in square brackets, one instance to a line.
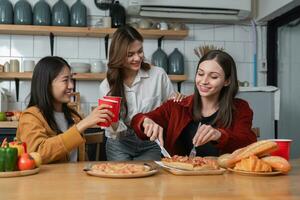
[193, 164]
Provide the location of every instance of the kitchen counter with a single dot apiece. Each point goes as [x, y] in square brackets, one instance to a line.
[68, 181]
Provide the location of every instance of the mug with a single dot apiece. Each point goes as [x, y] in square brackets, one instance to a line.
[162, 26]
[28, 65]
[244, 83]
[144, 24]
[14, 65]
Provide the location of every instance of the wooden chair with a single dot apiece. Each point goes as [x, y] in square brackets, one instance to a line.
[75, 104]
[93, 138]
[256, 131]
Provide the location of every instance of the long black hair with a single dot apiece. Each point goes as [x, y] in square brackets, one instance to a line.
[227, 94]
[46, 70]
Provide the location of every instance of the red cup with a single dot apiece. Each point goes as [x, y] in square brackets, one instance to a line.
[118, 99]
[113, 109]
[283, 150]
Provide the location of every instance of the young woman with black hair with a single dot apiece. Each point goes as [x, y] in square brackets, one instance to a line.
[48, 125]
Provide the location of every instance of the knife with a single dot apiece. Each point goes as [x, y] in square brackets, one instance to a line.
[163, 150]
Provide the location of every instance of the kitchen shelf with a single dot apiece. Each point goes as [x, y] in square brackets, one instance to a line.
[85, 31]
[77, 76]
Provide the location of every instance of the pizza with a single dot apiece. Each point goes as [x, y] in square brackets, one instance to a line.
[120, 168]
[187, 163]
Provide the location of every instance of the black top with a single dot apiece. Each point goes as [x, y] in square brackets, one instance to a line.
[185, 140]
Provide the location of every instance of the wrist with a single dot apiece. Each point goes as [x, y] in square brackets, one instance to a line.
[81, 126]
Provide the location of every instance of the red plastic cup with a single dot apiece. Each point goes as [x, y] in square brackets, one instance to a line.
[113, 109]
[118, 99]
[283, 148]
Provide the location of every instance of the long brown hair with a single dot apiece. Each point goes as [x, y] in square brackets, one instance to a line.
[121, 40]
[227, 94]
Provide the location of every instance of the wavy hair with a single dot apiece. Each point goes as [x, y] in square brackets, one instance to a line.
[119, 47]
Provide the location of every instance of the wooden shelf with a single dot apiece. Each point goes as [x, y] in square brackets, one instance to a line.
[85, 31]
[9, 124]
[77, 76]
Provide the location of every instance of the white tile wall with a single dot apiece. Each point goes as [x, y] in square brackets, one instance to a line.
[236, 39]
[21, 46]
[5, 45]
[89, 48]
[41, 46]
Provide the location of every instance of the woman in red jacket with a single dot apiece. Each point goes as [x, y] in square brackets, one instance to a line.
[212, 119]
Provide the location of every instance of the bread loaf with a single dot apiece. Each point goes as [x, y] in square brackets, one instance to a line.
[259, 148]
[253, 164]
[278, 163]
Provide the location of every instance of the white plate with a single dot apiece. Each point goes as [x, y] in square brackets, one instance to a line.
[135, 175]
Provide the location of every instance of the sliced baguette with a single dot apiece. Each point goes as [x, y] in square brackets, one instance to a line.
[259, 148]
[278, 163]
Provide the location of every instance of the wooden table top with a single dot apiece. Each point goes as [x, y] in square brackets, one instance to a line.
[68, 181]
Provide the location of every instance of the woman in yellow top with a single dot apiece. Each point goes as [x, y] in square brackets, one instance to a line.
[48, 125]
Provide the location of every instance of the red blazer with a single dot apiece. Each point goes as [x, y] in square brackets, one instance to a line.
[174, 117]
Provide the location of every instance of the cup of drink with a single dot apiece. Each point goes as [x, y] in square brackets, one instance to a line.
[113, 109]
[283, 150]
[118, 106]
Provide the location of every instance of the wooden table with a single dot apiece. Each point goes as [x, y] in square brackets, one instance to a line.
[68, 181]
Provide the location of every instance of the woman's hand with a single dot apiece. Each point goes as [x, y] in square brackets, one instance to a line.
[99, 114]
[204, 134]
[153, 130]
[177, 97]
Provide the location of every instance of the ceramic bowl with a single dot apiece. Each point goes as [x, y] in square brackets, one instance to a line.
[80, 67]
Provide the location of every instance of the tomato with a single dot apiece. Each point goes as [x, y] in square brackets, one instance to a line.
[26, 162]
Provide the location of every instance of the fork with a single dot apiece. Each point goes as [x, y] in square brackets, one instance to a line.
[193, 151]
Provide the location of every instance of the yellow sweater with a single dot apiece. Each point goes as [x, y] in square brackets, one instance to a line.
[39, 137]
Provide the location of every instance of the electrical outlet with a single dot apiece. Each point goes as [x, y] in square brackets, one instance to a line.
[262, 65]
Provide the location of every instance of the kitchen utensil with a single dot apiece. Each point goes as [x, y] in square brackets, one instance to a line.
[160, 59]
[145, 24]
[28, 65]
[103, 4]
[41, 13]
[176, 63]
[23, 13]
[104, 22]
[60, 14]
[97, 66]
[6, 12]
[78, 14]
[163, 150]
[6, 67]
[80, 67]
[118, 15]
[14, 65]
[193, 152]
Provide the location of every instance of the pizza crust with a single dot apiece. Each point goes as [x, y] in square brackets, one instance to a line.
[194, 164]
